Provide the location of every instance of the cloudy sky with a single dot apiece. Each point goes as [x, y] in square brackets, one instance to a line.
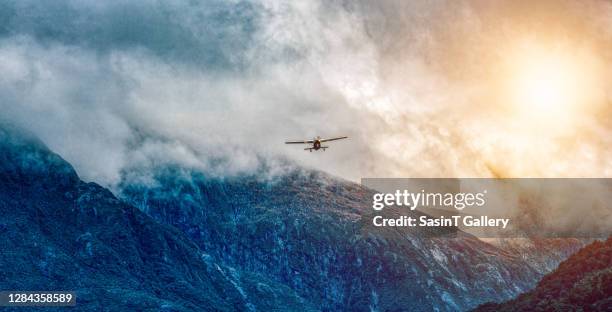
[423, 88]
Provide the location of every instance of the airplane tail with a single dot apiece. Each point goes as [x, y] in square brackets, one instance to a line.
[312, 148]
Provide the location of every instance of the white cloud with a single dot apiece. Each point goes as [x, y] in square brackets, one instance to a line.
[219, 86]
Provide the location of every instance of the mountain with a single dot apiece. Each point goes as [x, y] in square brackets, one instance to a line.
[542, 254]
[179, 240]
[583, 282]
[313, 233]
[60, 233]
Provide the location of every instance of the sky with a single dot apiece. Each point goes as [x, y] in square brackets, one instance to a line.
[422, 88]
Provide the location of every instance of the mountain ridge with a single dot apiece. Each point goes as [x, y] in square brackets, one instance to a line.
[301, 241]
[311, 232]
[60, 233]
[582, 282]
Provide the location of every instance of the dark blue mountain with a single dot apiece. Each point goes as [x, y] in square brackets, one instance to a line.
[179, 240]
[312, 233]
[60, 233]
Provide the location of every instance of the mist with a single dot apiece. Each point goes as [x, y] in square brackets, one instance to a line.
[219, 86]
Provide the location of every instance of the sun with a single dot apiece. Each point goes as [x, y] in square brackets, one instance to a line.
[545, 85]
[549, 86]
[543, 99]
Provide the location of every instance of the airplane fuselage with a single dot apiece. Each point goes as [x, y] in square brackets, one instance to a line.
[316, 145]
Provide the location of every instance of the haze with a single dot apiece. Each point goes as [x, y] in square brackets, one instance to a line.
[422, 88]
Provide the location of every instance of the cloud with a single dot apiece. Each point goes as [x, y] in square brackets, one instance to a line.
[221, 85]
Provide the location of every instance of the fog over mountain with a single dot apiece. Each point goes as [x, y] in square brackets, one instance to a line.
[422, 88]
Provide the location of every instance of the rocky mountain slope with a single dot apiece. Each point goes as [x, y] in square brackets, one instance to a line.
[313, 233]
[178, 240]
[583, 282]
[60, 233]
[542, 254]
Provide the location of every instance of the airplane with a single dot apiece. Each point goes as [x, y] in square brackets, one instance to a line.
[316, 143]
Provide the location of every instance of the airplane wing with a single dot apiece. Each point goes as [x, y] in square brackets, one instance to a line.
[300, 142]
[333, 139]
